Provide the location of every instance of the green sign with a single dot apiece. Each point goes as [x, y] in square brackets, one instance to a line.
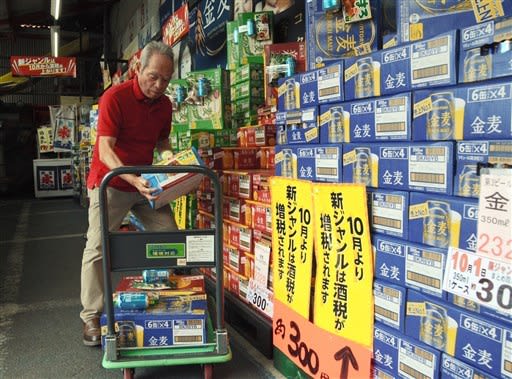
[165, 250]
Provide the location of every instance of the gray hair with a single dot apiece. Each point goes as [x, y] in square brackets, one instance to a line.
[152, 48]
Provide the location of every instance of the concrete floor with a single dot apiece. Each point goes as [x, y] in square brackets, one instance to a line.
[41, 243]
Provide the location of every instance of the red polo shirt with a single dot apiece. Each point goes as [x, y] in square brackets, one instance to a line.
[137, 123]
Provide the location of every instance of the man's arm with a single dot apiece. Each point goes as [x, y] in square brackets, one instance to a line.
[110, 159]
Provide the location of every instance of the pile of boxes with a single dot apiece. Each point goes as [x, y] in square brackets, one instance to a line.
[174, 314]
[414, 123]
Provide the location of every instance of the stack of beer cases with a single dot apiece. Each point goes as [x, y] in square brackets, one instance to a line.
[415, 122]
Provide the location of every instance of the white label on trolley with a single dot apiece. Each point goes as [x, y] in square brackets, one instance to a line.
[200, 248]
[187, 332]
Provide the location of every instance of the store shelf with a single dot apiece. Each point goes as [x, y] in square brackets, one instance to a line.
[246, 321]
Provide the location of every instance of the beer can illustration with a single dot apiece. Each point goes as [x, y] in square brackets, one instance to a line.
[127, 334]
[336, 125]
[436, 225]
[290, 100]
[363, 166]
[469, 182]
[440, 7]
[155, 276]
[477, 66]
[437, 329]
[132, 300]
[364, 80]
[281, 138]
[441, 119]
[288, 164]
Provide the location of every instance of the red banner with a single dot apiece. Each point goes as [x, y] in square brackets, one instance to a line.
[176, 26]
[43, 66]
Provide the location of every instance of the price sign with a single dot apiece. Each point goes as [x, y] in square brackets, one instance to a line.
[495, 216]
[319, 353]
[261, 263]
[486, 281]
[261, 298]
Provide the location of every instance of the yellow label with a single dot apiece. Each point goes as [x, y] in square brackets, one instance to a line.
[391, 43]
[416, 309]
[349, 158]
[278, 157]
[362, 49]
[325, 118]
[193, 125]
[281, 90]
[180, 212]
[486, 10]
[311, 134]
[416, 32]
[351, 72]
[292, 242]
[343, 248]
[216, 123]
[418, 211]
[422, 107]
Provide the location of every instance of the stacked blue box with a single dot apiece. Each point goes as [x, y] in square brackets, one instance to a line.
[403, 356]
[390, 304]
[453, 368]
[478, 341]
[389, 212]
[429, 63]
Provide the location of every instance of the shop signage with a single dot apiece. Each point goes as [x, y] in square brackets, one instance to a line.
[344, 272]
[484, 280]
[292, 242]
[495, 216]
[43, 66]
[261, 298]
[176, 26]
[319, 353]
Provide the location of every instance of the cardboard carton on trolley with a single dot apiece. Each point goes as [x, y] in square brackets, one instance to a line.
[175, 320]
[171, 186]
[178, 285]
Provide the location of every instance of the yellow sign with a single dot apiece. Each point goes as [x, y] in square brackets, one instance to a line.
[180, 212]
[292, 242]
[344, 275]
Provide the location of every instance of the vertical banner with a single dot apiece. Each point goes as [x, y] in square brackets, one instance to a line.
[344, 272]
[292, 242]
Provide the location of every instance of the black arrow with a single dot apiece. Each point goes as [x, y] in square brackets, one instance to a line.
[345, 355]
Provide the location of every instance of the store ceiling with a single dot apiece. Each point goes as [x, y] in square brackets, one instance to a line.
[76, 16]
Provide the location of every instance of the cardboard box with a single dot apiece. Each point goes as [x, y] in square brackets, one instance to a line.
[258, 216]
[465, 335]
[378, 373]
[171, 186]
[484, 49]
[179, 320]
[302, 126]
[246, 107]
[330, 38]
[236, 209]
[471, 154]
[240, 236]
[484, 312]
[179, 111]
[245, 184]
[322, 86]
[214, 110]
[389, 304]
[178, 285]
[429, 63]
[250, 72]
[419, 20]
[235, 259]
[233, 52]
[403, 356]
[382, 119]
[389, 212]
[400, 166]
[251, 47]
[389, 256]
[453, 368]
[288, 93]
[275, 66]
[465, 112]
[249, 88]
[320, 163]
[257, 136]
[443, 221]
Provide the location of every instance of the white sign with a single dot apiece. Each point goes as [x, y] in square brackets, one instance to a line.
[495, 215]
[261, 263]
[261, 297]
[486, 281]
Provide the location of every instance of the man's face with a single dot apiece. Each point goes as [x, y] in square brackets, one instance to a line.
[154, 78]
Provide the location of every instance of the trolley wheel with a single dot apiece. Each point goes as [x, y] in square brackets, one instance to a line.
[208, 371]
[128, 373]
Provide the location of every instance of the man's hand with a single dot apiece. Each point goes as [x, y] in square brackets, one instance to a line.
[143, 186]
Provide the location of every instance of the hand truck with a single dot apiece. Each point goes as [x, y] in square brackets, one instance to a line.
[126, 251]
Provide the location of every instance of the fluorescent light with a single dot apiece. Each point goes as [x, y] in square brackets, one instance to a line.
[55, 9]
[54, 39]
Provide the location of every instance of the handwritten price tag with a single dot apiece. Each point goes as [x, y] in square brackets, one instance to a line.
[486, 281]
[261, 298]
[319, 353]
[495, 216]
